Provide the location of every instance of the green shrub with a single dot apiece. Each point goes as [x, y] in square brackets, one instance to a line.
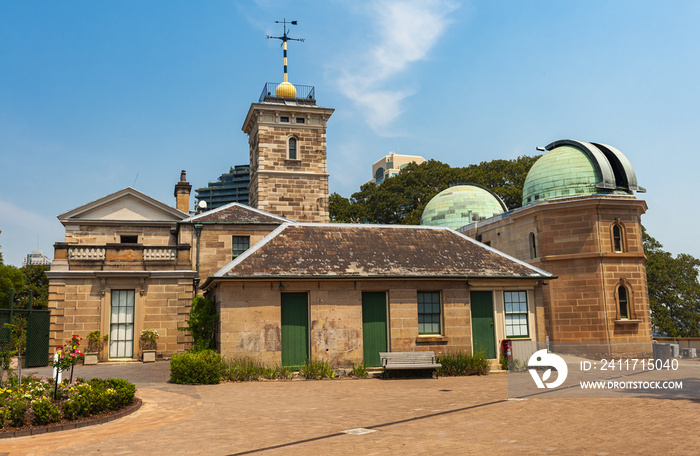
[201, 324]
[97, 396]
[316, 369]
[203, 367]
[45, 411]
[359, 370]
[503, 361]
[125, 391]
[71, 409]
[459, 363]
[244, 370]
[15, 410]
[283, 373]
[514, 365]
[247, 369]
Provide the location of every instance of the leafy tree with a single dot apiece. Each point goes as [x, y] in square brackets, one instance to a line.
[35, 280]
[674, 290]
[22, 280]
[402, 198]
[10, 277]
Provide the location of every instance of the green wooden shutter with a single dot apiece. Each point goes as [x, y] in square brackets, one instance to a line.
[373, 327]
[295, 329]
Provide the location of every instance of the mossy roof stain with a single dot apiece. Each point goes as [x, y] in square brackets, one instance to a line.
[337, 250]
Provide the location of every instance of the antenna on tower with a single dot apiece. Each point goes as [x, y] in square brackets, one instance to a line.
[285, 37]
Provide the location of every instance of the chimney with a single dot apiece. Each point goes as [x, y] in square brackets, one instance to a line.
[182, 193]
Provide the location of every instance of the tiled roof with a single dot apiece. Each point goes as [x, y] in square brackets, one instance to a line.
[236, 213]
[335, 250]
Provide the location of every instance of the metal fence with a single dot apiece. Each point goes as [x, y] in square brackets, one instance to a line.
[305, 94]
[38, 323]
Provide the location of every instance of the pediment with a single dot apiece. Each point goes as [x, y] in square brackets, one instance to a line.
[125, 205]
[237, 213]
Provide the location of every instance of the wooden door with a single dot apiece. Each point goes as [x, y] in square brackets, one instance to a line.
[374, 327]
[295, 329]
[483, 333]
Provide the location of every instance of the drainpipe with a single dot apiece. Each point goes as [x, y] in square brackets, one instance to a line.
[602, 279]
[197, 231]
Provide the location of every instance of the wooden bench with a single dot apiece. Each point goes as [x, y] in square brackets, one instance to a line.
[408, 361]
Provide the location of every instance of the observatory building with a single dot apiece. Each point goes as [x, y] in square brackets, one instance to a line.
[290, 287]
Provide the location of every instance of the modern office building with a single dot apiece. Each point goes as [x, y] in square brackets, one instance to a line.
[36, 257]
[231, 187]
[391, 165]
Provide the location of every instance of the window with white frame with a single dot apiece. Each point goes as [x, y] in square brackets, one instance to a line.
[516, 313]
[121, 324]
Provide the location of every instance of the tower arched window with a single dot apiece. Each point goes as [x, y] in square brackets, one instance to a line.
[623, 299]
[533, 245]
[623, 302]
[618, 236]
[292, 148]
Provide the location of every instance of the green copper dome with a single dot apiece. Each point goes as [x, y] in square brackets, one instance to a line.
[575, 168]
[460, 205]
[564, 171]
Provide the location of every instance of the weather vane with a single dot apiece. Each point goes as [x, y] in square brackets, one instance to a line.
[285, 37]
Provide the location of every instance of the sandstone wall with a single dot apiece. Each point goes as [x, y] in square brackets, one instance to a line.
[250, 317]
[80, 305]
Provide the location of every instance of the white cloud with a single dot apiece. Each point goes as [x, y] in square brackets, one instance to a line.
[406, 32]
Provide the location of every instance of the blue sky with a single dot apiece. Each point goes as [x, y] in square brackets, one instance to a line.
[98, 96]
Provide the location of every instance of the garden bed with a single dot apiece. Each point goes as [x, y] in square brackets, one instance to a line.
[38, 406]
[64, 425]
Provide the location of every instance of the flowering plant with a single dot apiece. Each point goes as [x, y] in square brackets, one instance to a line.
[149, 338]
[69, 354]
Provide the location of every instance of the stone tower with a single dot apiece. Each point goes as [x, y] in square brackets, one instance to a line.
[581, 222]
[287, 139]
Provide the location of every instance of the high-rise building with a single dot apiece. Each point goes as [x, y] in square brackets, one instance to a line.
[36, 257]
[231, 187]
[391, 165]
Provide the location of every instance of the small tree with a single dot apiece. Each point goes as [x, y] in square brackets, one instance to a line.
[96, 341]
[201, 323]
[149, 339]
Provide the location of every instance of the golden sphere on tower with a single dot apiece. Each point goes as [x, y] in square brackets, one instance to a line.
[286, 90]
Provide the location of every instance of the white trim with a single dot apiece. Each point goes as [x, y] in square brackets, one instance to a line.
[221, 272]
[230, 205]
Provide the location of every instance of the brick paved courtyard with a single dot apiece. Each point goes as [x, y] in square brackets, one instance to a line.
[466, 415]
